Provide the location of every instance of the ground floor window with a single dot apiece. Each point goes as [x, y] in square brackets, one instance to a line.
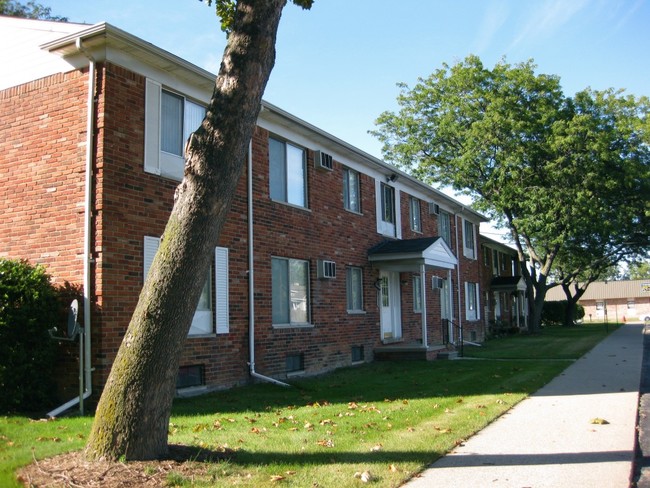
[417, 293]
[290, 291]
[471, 301]
[354, 289]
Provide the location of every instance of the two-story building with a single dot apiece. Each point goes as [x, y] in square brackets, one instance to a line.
[504, 300]
[329, 257]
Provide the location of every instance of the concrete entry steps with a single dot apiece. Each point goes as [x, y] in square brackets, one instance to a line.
[410, 352]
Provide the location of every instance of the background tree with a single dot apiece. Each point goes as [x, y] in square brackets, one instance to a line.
[132, 417]
[605, 142]
[31, 10]
[534, 160]
[639, 270]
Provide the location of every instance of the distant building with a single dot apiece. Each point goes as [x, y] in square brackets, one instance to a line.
[612, 301]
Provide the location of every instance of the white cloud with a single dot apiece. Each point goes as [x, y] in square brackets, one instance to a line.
[495, 17]
[546, 19]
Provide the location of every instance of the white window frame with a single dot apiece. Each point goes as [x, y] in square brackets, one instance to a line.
[391, 229]
[352, 285]
[444, 226]
[291, 303]
[472, 301]
[289, 179]
[415, 215]
[219, 297]
[156, 160]
[417, 293]
[469, 239]
[351, 182]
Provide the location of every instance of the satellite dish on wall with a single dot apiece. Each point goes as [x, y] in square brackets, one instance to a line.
[73, 326]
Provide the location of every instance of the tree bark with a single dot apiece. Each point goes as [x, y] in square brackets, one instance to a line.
[132, 417]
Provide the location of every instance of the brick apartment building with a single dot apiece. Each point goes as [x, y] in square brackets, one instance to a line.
[330, 256]
[505, 307]
[612, 301]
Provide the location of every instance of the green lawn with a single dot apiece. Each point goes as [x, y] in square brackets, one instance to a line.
[392, 419]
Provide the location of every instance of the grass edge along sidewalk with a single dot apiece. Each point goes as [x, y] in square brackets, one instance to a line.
[386, 421]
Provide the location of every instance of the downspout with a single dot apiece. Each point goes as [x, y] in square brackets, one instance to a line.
[251, 278]
[86, 359]
[423, 298]
[460, 315]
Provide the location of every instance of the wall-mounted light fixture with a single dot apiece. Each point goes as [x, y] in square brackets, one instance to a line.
[392, 177]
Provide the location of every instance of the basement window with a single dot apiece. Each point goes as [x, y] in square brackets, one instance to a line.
[295, 363]
[357, 354]
[189, 376]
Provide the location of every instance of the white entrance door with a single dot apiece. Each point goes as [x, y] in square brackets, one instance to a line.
[389, 303]
[445, 307]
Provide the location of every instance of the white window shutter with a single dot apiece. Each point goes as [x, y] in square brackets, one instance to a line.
[478, 302]
[152, 127]
[150, 248]
[221, 302]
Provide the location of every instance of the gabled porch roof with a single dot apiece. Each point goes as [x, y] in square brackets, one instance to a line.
[411, 254]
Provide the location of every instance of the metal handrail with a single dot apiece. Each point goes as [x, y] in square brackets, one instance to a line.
[445, 334]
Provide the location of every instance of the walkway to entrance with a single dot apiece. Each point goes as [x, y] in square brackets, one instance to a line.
[551, 439]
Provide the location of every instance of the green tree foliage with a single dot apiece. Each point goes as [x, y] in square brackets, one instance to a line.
[566, 176]
[226, 10]
[30, 10]
[28, 308]
[639, 270]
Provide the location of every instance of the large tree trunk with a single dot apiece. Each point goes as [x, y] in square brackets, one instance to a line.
[132, 417]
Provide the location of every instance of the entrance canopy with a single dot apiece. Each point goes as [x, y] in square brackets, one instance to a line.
[508, 284]
[411, 254]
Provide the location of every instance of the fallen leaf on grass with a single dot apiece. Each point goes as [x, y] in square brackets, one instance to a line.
[376, 448]
[366, 476]
[277, 477]
[393, 469]
[325, 443]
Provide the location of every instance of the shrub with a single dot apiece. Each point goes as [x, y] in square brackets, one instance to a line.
[553, 313]
[28, 308]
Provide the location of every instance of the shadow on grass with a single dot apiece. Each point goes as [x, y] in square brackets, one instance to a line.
[378, 382]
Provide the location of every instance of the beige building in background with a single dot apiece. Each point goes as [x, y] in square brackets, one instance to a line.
[612, 301]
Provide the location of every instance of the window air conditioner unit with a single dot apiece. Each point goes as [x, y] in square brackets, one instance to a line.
[323, 161]
[437, 283]
[326, 269]
[434, 208]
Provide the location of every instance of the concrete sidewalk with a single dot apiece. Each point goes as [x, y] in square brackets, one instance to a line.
[548, 439]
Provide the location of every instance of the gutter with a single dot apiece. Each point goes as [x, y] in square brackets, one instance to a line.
[85, 380]
[251, 279]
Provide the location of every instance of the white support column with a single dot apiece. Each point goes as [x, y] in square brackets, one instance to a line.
[423, 286]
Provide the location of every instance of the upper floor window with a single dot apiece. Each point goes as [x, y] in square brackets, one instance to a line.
[495, 262]
[469, 243]
[351, 193]
[170, 118]
[287, 173]
[414, 214]
[444, 227]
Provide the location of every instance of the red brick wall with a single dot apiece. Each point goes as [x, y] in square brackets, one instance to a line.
[134, 204]
[42, 170]
[42, 154]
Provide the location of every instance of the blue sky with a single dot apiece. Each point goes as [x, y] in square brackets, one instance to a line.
[338, 64]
